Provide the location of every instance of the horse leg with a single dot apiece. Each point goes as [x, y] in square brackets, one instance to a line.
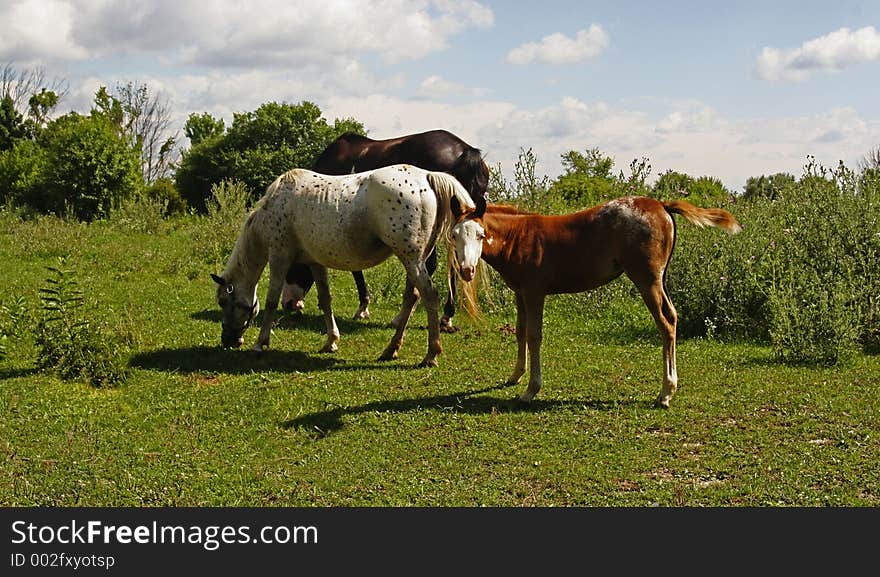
[449, 307]
[273, 293]
[402, 317]
[521, 324]
[534, 306]
[410, 296]
[422, 280]
[363, 295]
[666, 319]
[324, 299]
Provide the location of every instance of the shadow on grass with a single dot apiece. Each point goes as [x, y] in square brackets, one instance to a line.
[230, 361]
[15, 373]
[306, 321]
[244, 361]
[322, 423]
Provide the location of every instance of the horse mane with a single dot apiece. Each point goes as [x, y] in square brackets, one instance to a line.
[448, 187]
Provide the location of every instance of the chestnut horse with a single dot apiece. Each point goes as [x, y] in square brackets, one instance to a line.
[436, 150]
[538, 255]
[349, 222]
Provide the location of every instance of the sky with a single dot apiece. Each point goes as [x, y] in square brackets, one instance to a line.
[726, 89]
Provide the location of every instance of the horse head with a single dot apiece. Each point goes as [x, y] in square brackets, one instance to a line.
[239, 305]
[467, 238]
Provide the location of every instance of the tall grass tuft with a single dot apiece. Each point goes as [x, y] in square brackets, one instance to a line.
[68, 342]
[215, 234]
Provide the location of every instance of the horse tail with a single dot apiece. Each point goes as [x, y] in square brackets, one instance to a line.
[447, 187]
[703, 217]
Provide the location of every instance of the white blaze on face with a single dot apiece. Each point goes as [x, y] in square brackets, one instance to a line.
[468, 237]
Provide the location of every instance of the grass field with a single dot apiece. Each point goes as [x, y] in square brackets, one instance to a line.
[195, 425]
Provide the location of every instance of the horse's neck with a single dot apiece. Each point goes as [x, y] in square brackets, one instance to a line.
[249, 255]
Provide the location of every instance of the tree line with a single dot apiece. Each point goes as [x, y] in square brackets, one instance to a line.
[84, 165]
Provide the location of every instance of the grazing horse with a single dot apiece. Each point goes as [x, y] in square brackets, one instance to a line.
[350, 222]
[538, 255]
[436, 150]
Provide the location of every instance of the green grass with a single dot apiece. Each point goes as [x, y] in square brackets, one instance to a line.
[195, 425]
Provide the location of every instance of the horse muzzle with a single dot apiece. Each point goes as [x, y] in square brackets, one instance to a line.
[231, 340]
[467, 273]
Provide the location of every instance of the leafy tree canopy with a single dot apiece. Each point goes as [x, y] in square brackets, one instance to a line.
[256, 148]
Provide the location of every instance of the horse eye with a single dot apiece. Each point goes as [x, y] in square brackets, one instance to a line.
[229, 289]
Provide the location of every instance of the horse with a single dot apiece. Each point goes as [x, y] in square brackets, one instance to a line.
[350, 222]
[435, 150]
[539, 255]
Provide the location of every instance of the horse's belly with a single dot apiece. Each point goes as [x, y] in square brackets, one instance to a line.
[348, 258]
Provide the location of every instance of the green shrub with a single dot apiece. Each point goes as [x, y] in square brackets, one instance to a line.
[164, 192]
[20, 170]
[216, 232]
[90, 167]
[69, 343]
[139, 214]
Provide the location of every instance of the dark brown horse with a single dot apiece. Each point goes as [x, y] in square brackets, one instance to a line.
[538, 255]
[436, 150]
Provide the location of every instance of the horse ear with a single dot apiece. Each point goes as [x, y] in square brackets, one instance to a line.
[218, 279]
[480, 201]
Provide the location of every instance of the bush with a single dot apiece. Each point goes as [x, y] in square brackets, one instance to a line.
[20, 169]
[802, 275]
[164, 192]
[89, 168]
[217, 232]
[257, 148]
[70, 344]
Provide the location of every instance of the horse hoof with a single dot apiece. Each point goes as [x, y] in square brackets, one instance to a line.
[386, 356]
[332, 348]
[448, 328]
[661, 403]
[361, 314]
[428, 363]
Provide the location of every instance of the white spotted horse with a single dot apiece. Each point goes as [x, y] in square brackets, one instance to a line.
[538, 255]
[350, 222]
[435, 150]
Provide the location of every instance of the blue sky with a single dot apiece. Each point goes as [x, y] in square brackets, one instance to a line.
[728, 89]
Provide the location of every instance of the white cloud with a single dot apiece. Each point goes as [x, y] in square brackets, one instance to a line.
[35, 30]
[834, 51]
[689, 137]
[689, 117]
[436, 87]
[560, 49]
[231, 33]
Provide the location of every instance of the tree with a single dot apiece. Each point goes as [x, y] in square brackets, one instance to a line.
[201, 127]
[144, 119]
[588, 179]
[594, 163]
[768, 187]
[21, 168]
[40, 106]
[147, 119]
[89, 167]
[21, 85]
[255, 149]
[12, 125]
[871, 161]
